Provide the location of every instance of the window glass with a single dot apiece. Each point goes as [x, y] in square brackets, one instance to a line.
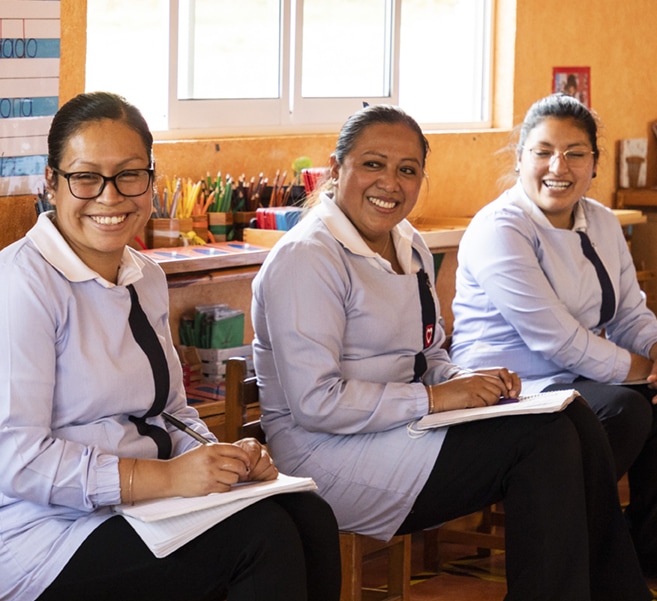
[127, 50]
[346, 48]
[229, 49]
[443, 63]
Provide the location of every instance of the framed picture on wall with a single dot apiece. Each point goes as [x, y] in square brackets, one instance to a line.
[574, 81]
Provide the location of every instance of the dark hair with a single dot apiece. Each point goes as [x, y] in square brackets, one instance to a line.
[560, 106]
[93, 106]
[373, 115]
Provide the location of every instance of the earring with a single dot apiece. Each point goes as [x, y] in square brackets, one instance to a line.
[334, 181]
[517, 169]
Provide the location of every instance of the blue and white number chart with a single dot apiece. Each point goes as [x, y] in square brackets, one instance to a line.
[29, 90]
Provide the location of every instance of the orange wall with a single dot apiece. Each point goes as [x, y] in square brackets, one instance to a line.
[617, 40]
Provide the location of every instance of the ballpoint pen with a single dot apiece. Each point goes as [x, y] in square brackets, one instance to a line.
[185, 428]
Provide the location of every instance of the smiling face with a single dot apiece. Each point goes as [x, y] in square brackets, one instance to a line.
[557, 185]
[378, 181]
[98, 230]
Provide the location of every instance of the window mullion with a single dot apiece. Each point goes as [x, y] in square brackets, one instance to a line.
[173, 64]
[290, 65]
[393, 38]
[186, 33]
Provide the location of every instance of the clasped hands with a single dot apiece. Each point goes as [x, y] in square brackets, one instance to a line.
[478, 388]
[216, 467]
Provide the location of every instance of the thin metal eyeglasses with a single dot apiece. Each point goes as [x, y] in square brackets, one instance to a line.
[87, 185]
[573, 158]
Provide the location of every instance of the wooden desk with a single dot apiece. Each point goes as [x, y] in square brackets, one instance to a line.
[214, 273]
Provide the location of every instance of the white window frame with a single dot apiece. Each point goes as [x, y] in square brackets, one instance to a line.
[291, 113]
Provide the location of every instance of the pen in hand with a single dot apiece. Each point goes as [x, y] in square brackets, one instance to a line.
[185, 428]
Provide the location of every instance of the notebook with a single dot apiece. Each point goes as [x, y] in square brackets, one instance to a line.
[543, 402]
[167, 524]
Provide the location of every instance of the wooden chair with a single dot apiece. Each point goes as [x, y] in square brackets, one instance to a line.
[487, 534]
[242, 420]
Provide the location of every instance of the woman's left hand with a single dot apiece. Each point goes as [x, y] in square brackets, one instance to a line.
[262, 465]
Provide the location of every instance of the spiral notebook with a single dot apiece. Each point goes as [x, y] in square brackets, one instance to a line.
[543, 402]
[167, 524]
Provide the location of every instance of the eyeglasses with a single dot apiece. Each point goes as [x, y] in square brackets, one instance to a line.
[87, 185]
[543, 157]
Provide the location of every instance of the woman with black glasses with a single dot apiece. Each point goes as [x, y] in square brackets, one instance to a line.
[87, 368]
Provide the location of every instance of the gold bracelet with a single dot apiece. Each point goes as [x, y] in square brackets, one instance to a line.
[130, 480]
[431, 406]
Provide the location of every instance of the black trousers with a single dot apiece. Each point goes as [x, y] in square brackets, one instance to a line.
[284, 548]
[630, 420]
[566, 537]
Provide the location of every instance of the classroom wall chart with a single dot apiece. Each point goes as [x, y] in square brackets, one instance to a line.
[29, 90]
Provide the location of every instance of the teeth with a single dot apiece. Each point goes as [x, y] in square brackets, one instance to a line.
[559, 185]
[109, 220]
[381, 203]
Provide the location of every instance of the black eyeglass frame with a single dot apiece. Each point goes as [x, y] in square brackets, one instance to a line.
[68, 175]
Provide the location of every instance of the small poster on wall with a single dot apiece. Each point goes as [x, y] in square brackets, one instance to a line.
[574, 81]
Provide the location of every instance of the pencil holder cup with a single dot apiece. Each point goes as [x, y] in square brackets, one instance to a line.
[186, 224]
[221, 226]
[162, 233]
[201, 226]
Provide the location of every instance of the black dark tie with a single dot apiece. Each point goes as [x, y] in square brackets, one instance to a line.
[608, 305]
[428, 322]
[148, 341]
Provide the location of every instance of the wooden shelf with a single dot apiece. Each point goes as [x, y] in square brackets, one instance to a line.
[636, 197]
[630, 217]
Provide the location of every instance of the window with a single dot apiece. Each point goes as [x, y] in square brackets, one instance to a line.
[276, 66]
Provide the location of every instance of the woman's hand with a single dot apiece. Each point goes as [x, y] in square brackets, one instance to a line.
[200, 471]
[262, 465]
[510, 379]
[640, 366]
[208, 468]
[476, 389]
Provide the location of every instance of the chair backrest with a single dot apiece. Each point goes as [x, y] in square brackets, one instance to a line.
[241, 401]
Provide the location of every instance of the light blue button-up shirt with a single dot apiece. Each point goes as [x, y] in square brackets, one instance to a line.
[528, 299]
[71, 374]
[336, 333]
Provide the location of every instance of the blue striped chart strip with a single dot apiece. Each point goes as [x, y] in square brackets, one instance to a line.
[28, 107]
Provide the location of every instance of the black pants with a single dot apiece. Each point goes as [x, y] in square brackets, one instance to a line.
[630, 420]
[566, 537]
[284, 548]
